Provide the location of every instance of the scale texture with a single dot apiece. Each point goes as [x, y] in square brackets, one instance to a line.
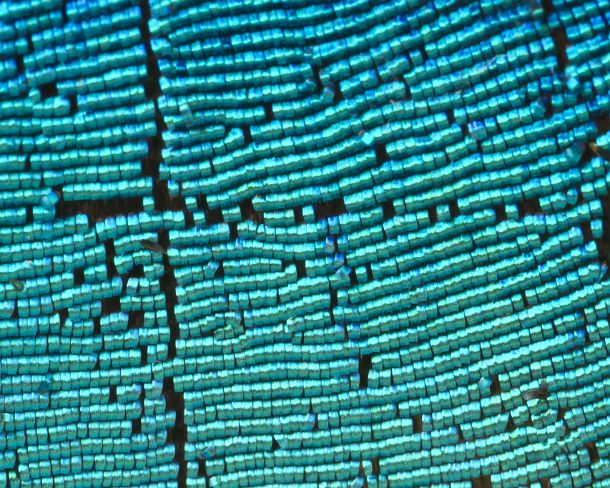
[304, 243]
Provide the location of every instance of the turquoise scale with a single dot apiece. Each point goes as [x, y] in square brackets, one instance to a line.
[304, 244]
